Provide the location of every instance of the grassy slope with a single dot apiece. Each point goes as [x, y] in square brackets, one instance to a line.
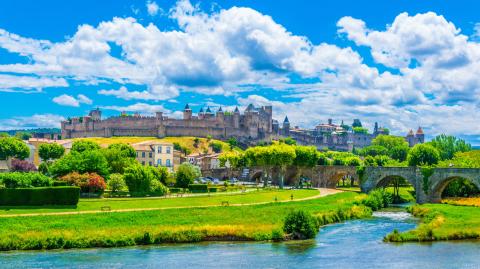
[256, 222]
[129, 203]
[442, 222]
[183, 141]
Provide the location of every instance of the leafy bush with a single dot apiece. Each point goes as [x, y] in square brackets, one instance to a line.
[198, 188]
[116, 183]
[185, 175]
[84, 145]
[378, 198]
[141, 181]
[88, 161]
[22, 166]
[25, 180]
[13, 147]
[39, 196]
[50, 151]
[423, 154]
[300, 225]
[216, 146]
[88, 182]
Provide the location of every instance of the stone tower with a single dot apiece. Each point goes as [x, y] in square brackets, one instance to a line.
[286, 126]
[220, 115]
[236, 118]
[410, 138]
[420, 136]
[187, 112]
[95, 114]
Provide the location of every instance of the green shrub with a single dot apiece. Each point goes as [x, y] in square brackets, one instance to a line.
[39, 196]
[25, 180]
[300, 225]
[185, 175]
[212, 189]
[58, 183]
[142, 180]
[378, 198]
[116, 183]
[198, 188]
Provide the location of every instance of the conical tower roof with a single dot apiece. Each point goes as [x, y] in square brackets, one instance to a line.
[419, 131]
[236, 110]
[286, 120]
[201, 110]
[208, 110]
[187, 107]
[220, 109]
[410, 133]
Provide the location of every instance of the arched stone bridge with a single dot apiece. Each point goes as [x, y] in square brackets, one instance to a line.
[428, 186]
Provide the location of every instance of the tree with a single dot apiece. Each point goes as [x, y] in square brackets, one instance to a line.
[90, 161]
[448, 145]
[84, 145]
[11, 147]
[160, 173]
[301, 225]
[196, 142]
[216, 146]
[399, 153]
[186, 174]
[469, 159]
[282, 155]
[50, 151]
[374, 150]
[141, 180]
[305, 157]
[119, 156]
[288, 141]
[360, 130]
[23, 135]
[232, 141]
[389, 141]
[423, 154]
[116, 183]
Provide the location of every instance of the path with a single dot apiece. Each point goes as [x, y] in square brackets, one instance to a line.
[323, 192]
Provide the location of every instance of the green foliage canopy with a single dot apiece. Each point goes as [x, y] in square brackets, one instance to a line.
[423, 155]
[13, 147]
[50, 151]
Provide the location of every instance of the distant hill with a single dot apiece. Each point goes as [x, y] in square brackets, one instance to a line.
[187, 142]
[36, 130]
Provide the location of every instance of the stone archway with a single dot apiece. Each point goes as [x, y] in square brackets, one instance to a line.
[256, 176]
[439, 186]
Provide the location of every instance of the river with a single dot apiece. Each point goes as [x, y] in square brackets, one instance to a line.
[353, 244]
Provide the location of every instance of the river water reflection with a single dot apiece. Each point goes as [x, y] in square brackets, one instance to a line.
[353, 244]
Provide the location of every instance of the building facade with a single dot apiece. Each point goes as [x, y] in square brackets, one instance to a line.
[155, 154]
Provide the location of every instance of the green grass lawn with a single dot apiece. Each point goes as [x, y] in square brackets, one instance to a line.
[442, 222]
[254, 222]
[260, 196]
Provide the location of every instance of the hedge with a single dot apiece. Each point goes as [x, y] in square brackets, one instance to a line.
[213, 189]
[176, 190]
[40, 196]
[198, 188]
[60, 183]
[25, 180]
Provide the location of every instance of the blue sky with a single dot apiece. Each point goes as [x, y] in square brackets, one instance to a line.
[402, 63]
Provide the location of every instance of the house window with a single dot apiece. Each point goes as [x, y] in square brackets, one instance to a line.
[159, 162]
[150, 163]
[168, 150]
[149, 155]
[159, 149]
[143, 154]
[143, 162]
[137, 153]
[168, 163]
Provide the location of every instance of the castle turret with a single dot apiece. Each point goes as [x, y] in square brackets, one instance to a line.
[357, 123]
[420, 136]
[208, 113]
[95, 114]
[220, 115]
[375, 129]
[187, 112]
[410, 138]
[201, 114]
[236, 118]
[286, 127]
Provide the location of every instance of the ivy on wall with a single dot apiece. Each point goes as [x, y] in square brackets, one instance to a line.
[427, 172]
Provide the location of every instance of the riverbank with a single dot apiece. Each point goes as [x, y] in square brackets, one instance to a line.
[117, 229]
[441, 222]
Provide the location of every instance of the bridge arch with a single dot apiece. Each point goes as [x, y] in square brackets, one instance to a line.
[439, 185]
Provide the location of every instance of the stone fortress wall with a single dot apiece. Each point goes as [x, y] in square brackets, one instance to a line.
[254, 124]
